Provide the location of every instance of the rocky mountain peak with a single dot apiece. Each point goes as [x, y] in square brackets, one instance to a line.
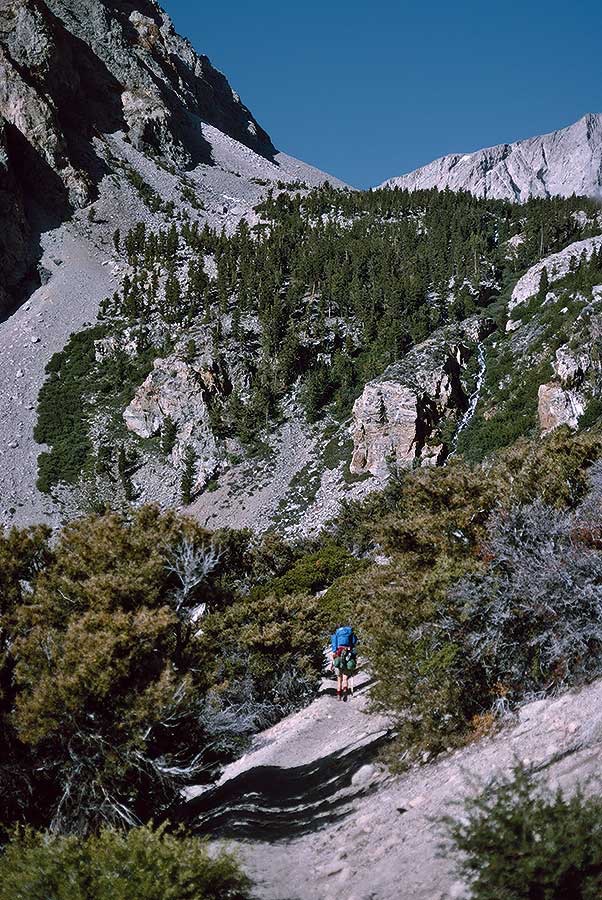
[73, 72]
[565, 162]
[87, 65]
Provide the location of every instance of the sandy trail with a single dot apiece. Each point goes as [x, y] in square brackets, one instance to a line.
[314, 817]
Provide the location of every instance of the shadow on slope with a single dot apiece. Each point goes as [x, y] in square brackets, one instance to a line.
[270, 803]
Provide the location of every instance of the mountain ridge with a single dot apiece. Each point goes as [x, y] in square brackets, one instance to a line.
[81, 158]
[559, 163]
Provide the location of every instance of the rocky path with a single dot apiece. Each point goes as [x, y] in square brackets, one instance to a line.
[315, 817]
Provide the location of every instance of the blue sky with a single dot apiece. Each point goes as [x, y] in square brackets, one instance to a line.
[371, 90]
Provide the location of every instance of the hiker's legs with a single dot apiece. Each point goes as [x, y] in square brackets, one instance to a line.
[339, 683]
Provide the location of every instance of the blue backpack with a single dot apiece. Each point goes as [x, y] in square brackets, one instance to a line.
[343, 637]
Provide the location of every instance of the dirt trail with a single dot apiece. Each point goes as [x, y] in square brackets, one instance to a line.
[313, 817]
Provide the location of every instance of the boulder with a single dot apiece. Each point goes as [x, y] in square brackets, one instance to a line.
[397, 418]
[558, 406]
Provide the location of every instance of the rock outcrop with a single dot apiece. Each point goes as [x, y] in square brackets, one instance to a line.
[564, 162]
[561, 402]
[557, 266]
[182, 389]
[399, 419]
[557, 406]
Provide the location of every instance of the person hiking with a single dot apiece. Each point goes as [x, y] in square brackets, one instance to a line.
[344, 658]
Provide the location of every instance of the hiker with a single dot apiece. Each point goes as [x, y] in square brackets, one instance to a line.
[344, 658]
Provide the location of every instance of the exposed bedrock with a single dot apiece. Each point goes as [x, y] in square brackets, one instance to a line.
[400, 418]
[182, 391]
[557, 266]
[267, 802]
[564, 162]
[300, 775]
[563, 400]
[72, 71]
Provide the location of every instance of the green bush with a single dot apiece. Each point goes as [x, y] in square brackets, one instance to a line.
[437, 619]
[145, 864]
[266, 636]
[112, 604]
[76, 384]
[592, 414]
[313, 572]
[62, 411]
[105, 672]
[520, 842]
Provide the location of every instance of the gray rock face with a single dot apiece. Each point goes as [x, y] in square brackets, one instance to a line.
[557, 406]
[398, 417]
[565, 162]
[182, 390]
[166, 89]
[72, 71]
[557, 266]
[561, 402]
[77, 66]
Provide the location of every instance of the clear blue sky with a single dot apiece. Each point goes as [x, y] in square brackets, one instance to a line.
[374, 89]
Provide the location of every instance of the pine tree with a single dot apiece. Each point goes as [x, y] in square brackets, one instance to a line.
[188, 474]
[169, 433]
[544, 284]
[173, 300]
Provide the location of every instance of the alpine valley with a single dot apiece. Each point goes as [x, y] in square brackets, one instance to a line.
[382, 403]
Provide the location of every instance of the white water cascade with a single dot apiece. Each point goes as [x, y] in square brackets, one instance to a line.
[474, 397]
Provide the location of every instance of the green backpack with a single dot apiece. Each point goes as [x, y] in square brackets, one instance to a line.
[346, 661]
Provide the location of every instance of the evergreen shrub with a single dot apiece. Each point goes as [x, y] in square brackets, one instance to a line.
[518, 841]
[143, 863]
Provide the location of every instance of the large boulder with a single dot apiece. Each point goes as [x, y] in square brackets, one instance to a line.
[557, 406]
[400, 417]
